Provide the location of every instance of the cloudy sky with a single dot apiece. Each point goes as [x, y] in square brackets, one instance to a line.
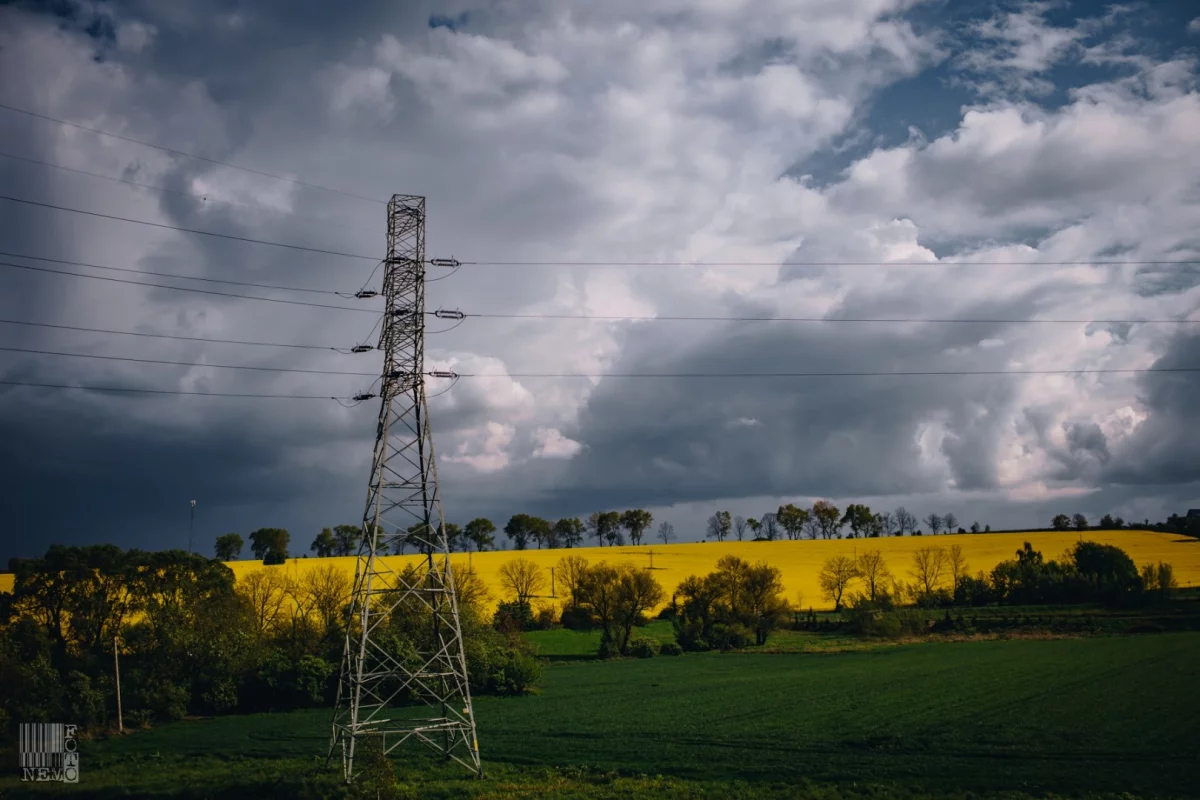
[768, 134]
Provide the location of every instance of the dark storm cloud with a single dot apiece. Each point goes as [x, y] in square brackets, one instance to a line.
[1165, 448]
[658, 441]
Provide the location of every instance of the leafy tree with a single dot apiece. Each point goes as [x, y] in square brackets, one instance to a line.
[859, 518]
[876, 527]
[569, 531]
[666, 532]
[770, 526]
[974, 527]
[618, 597]
[481, 533]
[1080, 522]
[348, 537]
[755, 526]
[835, 575]
[228, 547]
[828, 518]
[951, 523]
[522, 578]
[792, 520]
[874, 573]
[454, 537]
[1159, 578]
[719, 525]
[935, 522]
[636, 521]
[270, 545]
[1107, 522]
[523, 527]
[739, 528]
[1107, 569]
[1061, 522]
[928, 563]
[608, 528]
[325, 544]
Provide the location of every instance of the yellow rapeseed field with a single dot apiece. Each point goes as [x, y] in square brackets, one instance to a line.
[799, 561]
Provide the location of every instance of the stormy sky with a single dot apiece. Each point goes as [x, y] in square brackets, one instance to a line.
[835, 153]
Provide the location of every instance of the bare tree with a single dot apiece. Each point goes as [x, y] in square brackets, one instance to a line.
[874, 572]
[958, 563]
[770, 526]
[934, 521]
[328, 590]
[267, 592]
[666, 532]
[522, 578]
[718, 526]
[570, 572]
[739, 528]
[906, 523]
[887, 524]
[835, 576]
[951, 523]
[928, 563]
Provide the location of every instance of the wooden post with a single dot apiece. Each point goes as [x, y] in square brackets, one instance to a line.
[117, 674]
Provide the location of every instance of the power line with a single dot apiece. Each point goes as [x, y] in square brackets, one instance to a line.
[187, 363]
[1092, 263]
[204, 198]
[190, 155]
[174, 275]
[456, 314]
[834, 319]
[167, 336]
[723, 375]
[166, 391]
[179, 288]
[188, 230]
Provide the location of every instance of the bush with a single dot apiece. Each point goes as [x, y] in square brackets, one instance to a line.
[731, 637]
[670, 649]
[544, 620]
[576, 618]
[513, 617]
[644, 647]
[881, 624]
[608, 648]
[668, 613]
[501, 665]
[84, 704]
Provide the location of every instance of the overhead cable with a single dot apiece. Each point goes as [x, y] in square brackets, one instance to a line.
[190, 155]
[34, 351]
[1090, 263]
[181, 288]
[188, 230]
[166, 391]
[196, 195]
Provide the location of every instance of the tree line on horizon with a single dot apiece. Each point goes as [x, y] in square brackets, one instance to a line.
[823, 520]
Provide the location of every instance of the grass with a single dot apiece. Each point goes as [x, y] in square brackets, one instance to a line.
[1020, 718]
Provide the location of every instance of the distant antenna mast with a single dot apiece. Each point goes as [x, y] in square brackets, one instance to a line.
[381, 693]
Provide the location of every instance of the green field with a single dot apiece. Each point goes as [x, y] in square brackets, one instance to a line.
[1089, 716]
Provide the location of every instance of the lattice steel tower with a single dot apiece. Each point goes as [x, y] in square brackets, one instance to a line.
[388, 689]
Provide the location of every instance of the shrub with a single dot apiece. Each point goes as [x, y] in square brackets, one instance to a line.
[608, 648]
[84, 704]
[670, 649]
[501, 665]
[544, 620]
[644, 647]
[731, 637]
[576, 618]
[513, 617]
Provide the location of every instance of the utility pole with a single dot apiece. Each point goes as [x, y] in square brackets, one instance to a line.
[117, 675]
[191, 527]
[426, 699]
[552, 593]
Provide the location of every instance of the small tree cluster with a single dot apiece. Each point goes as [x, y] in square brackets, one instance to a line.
[737, 603]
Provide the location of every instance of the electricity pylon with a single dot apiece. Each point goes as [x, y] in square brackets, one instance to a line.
[404, 672]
